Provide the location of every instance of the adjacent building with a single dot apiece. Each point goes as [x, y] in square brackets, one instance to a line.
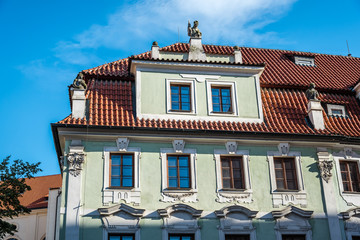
[42, 199]
[195, 141]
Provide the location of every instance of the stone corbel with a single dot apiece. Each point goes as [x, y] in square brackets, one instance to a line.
[284, 148]
[122, 144]
[75, 157]
[325, 164]
[231, 147]
[178, 146]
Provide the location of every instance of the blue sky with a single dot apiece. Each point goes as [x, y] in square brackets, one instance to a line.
[44, 44]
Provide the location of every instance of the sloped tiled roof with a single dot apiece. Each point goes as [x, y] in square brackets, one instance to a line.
[331, 71]
[37, 197]
[283, 85]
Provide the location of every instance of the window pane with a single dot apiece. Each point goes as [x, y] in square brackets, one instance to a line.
[290, 174]
[175, 98]
[291, 185]
[172, 172]
[127, 182]
[115, 159]
[127, 160]
[185, 90]
[225, 92]
[226, 183]
[173, 182]
[127, 238]
[174, 90]
[127, 171]
[172, 161]
[279, 173]
[225, 163]
[238, 184]
[115, 181]
[115, 170]
[114, 237]
[343, 166]
[215, 91]
[278, 164]
[184, 172]
[226, 108]
[186, 238]
[184, 183]
[216, 108]
[174, 238]
[175, 106]
[280, 184]
[236, 164]
[185, 107]
[216, 100]
[226, 172]
[183, 161]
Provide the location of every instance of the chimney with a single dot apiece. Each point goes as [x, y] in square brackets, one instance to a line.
[237, 55]
[78, 99]
[196, 51]
[155, 54]
[315, 110]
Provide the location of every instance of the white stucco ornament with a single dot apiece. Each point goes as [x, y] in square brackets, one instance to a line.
[122, 144]
[178, 146]
[75, 161]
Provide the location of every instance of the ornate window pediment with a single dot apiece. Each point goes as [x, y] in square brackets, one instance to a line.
[292, 220]
[180, 218]
[352, 222]
[236, 220]
[121, 218]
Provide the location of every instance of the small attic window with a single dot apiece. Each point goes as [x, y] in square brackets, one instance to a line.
[305, 61]
[336, 110]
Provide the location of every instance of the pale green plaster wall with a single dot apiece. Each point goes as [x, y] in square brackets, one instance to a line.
[152, 82]
[221, 58]
[150, 174]
[173, 56]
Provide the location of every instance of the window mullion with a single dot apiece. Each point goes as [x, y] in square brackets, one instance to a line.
[284, 173]
[231, 173]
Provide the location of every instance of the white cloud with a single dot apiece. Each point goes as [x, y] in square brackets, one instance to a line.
[227, 21]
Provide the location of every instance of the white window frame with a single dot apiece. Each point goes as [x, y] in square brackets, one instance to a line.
[173, 195]
[192, 95]
[347, 155]
[286, 197]
[114, 195]
[331, 107]
[225, 196]
[305, 61]
[232, 85]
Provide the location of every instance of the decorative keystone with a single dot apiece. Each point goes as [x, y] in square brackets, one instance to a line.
[231, 147]
[122, 144]
[179, 146]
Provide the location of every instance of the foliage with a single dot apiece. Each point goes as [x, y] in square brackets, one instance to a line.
[12, 186]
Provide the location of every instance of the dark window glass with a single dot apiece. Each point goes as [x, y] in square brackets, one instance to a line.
[285, 174]
[122, 170]
[121, 237]
[181, 237]
[232, 172]
[350, 176]
[178, 171]
[355, 237]
[221, 99]
[293, 237]
[180, 97]
[237, 237]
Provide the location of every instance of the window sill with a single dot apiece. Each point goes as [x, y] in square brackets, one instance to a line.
[181, 112]
[225, 114]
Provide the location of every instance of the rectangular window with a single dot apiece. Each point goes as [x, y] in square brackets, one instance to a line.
[285, 173]
[221, 99]
[181, 237]
[180, 97]
[178, 171]
[122, 170]
[232, 172]
[350, 176]
[237, 237]
[121, 237]
[293, 237]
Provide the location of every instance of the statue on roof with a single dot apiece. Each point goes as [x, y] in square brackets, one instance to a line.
[312, 93]
[194, 31]
[79, 82]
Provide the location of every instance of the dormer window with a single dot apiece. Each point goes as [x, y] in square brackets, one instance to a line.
[305, 61]
[180, 97]
[336, 110]
[221, 99]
